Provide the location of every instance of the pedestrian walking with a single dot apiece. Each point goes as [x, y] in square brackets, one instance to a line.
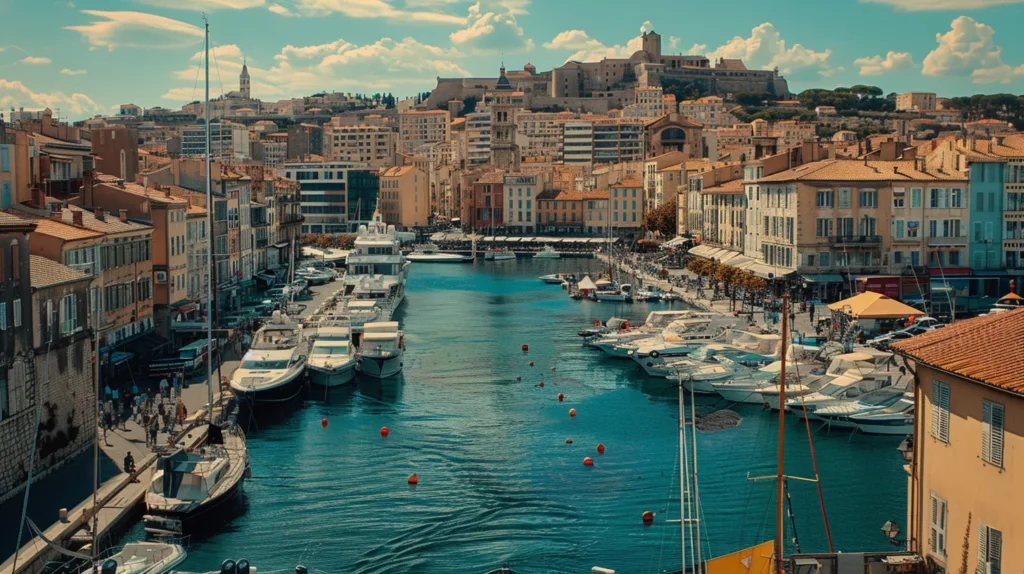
[161, 411]
[126, 413]
[180, 412]
[138, 407]
[154, 428]
[164, 386]
[145, 425]
[179, 382]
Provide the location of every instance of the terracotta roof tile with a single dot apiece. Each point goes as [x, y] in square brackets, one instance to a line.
[859, 170]
[970, 349]
[46, 272]
[734, 186]
[64, 231]
[9, 220]
[629, 183]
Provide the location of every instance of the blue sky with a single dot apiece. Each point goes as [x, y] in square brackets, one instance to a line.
[88, 56]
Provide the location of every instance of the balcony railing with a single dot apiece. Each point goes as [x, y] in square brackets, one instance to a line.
[292, 218]
[947, 241]
[855, 239]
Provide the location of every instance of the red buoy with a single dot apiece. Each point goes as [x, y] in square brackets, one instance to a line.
[568, 441]
[385, 431]
[561, 397]
[588, 461]
[572, 412]
[541, 384]
[647, 517]
[323, 423]
[414, 478]
[526, 348]
[531, 363]
[519, 378]
[600, 448]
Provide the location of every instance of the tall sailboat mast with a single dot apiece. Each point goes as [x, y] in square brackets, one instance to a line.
[780, 476]
[209, 235]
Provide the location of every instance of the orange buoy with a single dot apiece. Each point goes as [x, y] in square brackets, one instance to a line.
[385, 431]
[531, 363]
[414, 478]
[541, 384]
[323, 423]
[600, 448]
[561, 397]
[647, 517]
[568, 441]
[526, 347]
[588, 461]
[572, 412]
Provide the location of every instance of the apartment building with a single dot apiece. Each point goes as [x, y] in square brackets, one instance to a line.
[521, 191]
[15, 166]
[967, 428]
[627, 207]
[649, 102]
[305, 140]
[724, 210]
[477, 139]
[709, 111]
[608, 140]
[404, 197]
[661, 177]
[488, 201]
[416, 128]
[228, 140]
[116, 151]
[563, 213]
[539, 134]
[324, 193]
[596, 210]
[375, 146]
[915, 101]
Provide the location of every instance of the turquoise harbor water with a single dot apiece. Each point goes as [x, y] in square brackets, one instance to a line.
[497, 481]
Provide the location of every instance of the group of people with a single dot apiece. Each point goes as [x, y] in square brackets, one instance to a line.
[154, 412]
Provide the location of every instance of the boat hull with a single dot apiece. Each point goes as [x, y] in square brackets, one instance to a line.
[335, 377]
[901, 427]
[380, 367]
[287, 389]
[430, 259]
[698, 387]
[746, 395]
[171, 523]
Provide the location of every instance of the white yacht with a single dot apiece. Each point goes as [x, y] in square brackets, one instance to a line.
[499, 255]
[381, 350]
[895, 419]
[548, 252]
[332, 358]
[622, 294]
[621, 333]
[681, 338]
[271, 371]
[707, 364]
[848, 376]
[144, 558]
[384, 291]
[840, 414]
[747, 389]
[189, 486]
[431, 254]
[655, 355]
[377, 255]
[557, 278]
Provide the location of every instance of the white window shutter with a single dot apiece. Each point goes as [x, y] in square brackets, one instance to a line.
[997, 435]
[933, 538]
[982, 549]
[941, 540]
[944, 404]
[986, 430]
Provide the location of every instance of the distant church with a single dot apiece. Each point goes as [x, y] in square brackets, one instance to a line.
[237, 102]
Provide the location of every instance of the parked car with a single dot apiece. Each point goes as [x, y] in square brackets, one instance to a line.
[883, 341]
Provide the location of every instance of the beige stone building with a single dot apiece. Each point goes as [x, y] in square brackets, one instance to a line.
[627, 209]
[915, 101]
[963, 491]
[710, 111]
[373, 145]
[404, 197]
[416, 128]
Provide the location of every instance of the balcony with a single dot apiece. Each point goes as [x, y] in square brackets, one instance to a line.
[62, 189]
[855, 240]
[947, 241]
[261, 243]
[292, 218]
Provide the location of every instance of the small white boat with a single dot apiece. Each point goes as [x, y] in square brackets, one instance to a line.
[143, 558]
[839, 415]
[896, 419]
[271, 370]
[381, 350]
[315, 276]
[499, 255]
[623, 294]
[849, 376]
[558, 279]
[669, 296]
[747, 389]
[547, 253]
[431, 254]
[332, 359]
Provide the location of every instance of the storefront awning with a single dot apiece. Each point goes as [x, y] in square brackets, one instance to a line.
[118, 357]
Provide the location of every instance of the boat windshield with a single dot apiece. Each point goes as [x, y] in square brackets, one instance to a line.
[255, 365]
[831, 389]
[331, 350]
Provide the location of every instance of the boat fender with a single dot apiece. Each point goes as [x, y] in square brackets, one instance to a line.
[242, 566]
[228, 567]
[109, 566]
[655, 354]
[300, 570]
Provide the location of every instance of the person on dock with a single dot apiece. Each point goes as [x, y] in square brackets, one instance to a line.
[145, 424]
[154, 429]
[126, 413]
[181, 412]
[164, 386]
[129, 465]
[161, 410]
[810, 312]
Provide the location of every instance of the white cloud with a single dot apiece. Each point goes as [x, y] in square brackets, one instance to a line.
[300, 70]
[969, 49]
[587, 49]
[16, 94]
[878, 65]
[36, 60]
[490, 32]
[375, 9]
[205, 5]
[281, 10]
[69, 72]
[136, 30]
[765, 49]
[919, 5]
[698, 49]
[674, 42]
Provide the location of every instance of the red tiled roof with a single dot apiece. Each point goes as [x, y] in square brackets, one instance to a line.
[45, 272]
[984, 349]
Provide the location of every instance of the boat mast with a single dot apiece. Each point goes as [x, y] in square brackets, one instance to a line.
[683, 523]
[780, 476]
[699, 565]
[209, 235]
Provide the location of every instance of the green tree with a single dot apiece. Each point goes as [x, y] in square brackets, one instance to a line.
[662, 220]
[469, 105]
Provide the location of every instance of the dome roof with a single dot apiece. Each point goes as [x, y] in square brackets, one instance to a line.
[503, 83]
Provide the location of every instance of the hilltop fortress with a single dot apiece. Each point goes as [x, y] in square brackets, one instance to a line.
[609, 84]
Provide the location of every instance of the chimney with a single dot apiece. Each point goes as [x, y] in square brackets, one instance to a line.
[38, 197]
[124, 214]
[56, 215]
[100, 214]
[896, 168]
[76, 217]
[58, 207]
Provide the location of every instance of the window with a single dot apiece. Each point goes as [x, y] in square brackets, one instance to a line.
[940, 409]
[844, 199]
[825, 198]
[990, 549]
[3, 316]
[991, 432]
[897, 257]
[912, 228]
[869, 198]
[937, 198]
[823, 259]
[68, 314]
[823, 227]
[955, 196]
[17, 313]
[897, 202]
[899, 228]
[915, 197]
[937, 537]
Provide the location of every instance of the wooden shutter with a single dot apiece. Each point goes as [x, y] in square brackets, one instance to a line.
[934, 534]
[940, 411]
[986, 430]
[997, 435]
[982, 549]
[995, 550]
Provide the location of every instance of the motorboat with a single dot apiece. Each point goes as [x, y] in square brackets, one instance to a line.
[499, 255]
[548, 252]
[747, 389]
[315, 276]
[144, 558]
[700, 377]
[385, 291]
[377, 255]
[271, 370]
[613, 325]
[895, 419]
[839, 415]
[332, 358]
[557, 278]
[747, 349]
[189, 485]
[670, 296]
[680, 338]
[848, 377]
[431, 254]
[622, 294]
[737, 361]
[381, 350]
[651, 294]
[619, 331]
